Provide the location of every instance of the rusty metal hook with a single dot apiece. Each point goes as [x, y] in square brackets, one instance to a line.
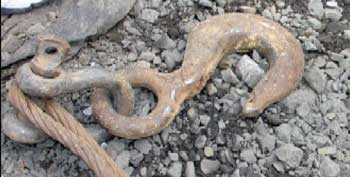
[43, 77]
[208, 43]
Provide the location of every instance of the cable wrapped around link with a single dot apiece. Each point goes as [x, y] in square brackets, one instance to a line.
[61, 126]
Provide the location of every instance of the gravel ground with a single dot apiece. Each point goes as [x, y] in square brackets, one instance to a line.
[306, 134]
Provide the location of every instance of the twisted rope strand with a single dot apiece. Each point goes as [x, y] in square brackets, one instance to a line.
[62, 127]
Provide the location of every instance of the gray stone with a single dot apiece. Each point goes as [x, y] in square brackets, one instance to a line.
[267, 13]
[123, 159]
[297, 136]
[311, 44]
[249, 71]
[192, 113]
[208, 151]
[143, 171]
[332, 4]
[328, 150]
[147, 55]
[97, 132]
[144, 146]
[175, 169]
[171, 57]
[299, 97]
[173, 156]
[267, 142]
[156, 3]
[289, 155]
[248, 155]
[20, 129]
[221, 3]
[183, 3]
[79, 22]
[329, 168]
[87, 111]
[211, 89]
[278, 166]
[205, 3]
[165, 42]
[228, 76]
[136, 158]
[76, 18]
[303, 110]
[283, 132]
[315, 23]
[190, 170]
[205, 119]
[347, 34]
[333, 14]
[184, 155]
[316, 78]
[209, 166]
[200, 141]
[316, 8]
[149, 15]
[115, 147]
[320, 140]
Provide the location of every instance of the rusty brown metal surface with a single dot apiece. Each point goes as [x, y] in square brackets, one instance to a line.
[208, 43]
[43, 76]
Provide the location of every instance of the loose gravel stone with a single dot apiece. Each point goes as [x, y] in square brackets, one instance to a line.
[333, 14]
[316, 79]
[329, 150]
[315, 23]
[248, 155]
[209, 166]
[249, 71]
[283, 132]
[123, 159]
[296, 98]
[228, 76]
[200, 142]
[175, 169]
[136, 158]
[289, 155]
[329, 168]
[205, 3]
[211, 89]
[190, 169]
[347, 34]
[208, 151]
[165, 42]
[267, 142]
[316, 8]
[144, 146]
[332, 4]
[149, 15]
[205, 119]
[98, 133]
[174, 156]
[171, 57]
[221, 3]
[192, 113]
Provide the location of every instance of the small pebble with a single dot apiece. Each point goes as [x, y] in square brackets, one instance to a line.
[208, 151]
[209, 166]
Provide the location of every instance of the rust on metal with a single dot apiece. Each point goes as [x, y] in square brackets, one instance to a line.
[43, 76]
[208, 43]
